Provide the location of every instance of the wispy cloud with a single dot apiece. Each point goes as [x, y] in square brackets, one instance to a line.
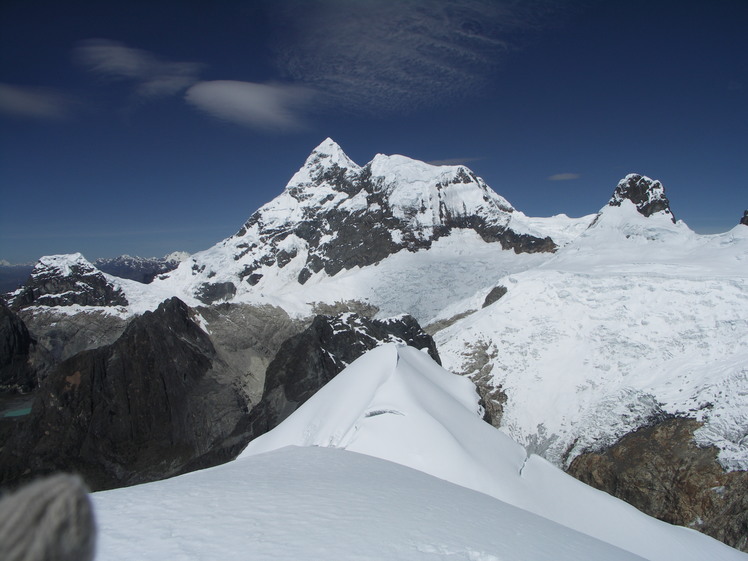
[153, 76]
[563, 176]
[395, 56]
[34, 103]
[453, 161]
[262, 106]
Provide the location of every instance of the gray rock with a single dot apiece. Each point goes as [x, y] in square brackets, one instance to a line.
[247, 338]
[497, 292]
[16, 344]
[153, 404]
[208, 293]
[660, 470]
[140, 269]
[60, 335]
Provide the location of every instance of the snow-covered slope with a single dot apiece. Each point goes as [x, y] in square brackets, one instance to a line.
[319, 500]
[395, 403]
[320, 504]
[636, 318]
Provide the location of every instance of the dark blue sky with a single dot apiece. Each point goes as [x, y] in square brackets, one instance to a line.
[145, 127]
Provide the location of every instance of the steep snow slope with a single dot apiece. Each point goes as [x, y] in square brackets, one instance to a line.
[395, 403]
[320, 504]
[636, 318]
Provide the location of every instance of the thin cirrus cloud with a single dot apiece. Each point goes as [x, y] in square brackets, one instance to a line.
[154, 76]
[394, 57]
[262, 106]
[564, 176]
[34, 103]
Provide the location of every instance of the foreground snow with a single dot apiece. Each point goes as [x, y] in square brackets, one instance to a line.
[324, 504]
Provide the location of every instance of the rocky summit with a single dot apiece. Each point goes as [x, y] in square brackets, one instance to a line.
[65, 280]
[647, 194]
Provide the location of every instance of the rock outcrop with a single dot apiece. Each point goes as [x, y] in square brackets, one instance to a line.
[497, 292]
[153, 404]
[744, 220]
[307, 361]
[16, 374]
[647, 194]
[140, 269]
[60, 336]
[660, 470]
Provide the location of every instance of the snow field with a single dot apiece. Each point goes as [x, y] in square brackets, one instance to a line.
[322, 504]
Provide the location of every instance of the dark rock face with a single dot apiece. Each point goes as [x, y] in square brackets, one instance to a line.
[140, 269]
[65, 281]
[744, 220]
[153, 404]
[497, 292]
[309, 360]
[212, 292]
[661, 471]
[16, 374]
[647, 194]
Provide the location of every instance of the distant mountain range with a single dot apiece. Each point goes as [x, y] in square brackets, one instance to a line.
[613, 345]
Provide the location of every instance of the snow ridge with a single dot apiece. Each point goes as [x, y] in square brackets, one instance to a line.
[396, 404]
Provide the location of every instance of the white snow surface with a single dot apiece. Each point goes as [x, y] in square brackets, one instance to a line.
[636, 317]
[321, 504]
[302, 492]
[397, 404]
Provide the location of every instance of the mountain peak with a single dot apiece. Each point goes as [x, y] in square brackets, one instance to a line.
[648, 195]
[744, 220]
[327, 157]
[66, 280]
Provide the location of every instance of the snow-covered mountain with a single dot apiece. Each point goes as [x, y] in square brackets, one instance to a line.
[335, 216]
[578, 332]
[321, 500]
